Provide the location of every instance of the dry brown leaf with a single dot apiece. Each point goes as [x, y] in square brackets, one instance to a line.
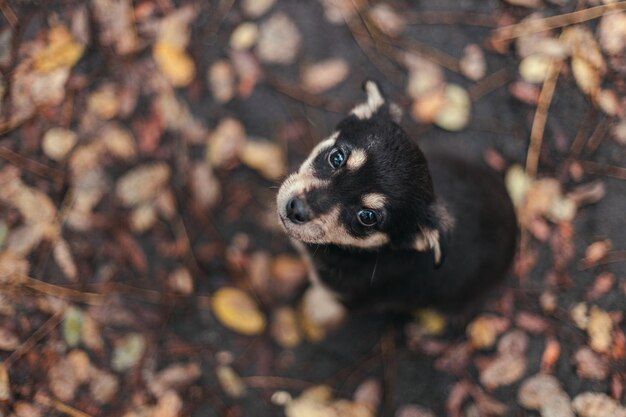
[175, 64]
[324, 75]
[431, 321]
[531, 4]
[550, 355]
[116, 24]
[256, 8]
[226, 142]
[64, 259]
[142, 184]
[612, 33]
[426, 108]
[502, 371]
[24, 409]
[8, 339]
[597, 404]
[104, 102]
[221, 80]
[484, 330]
[58, 142]
[596, 251]
[205, 187]
[284, 327]
[618, 132]
[535, 391]
[534, 68]
[266, 157]
[103, 386]
[169, 405]
[532, 323]
[279, 40]
[91, 334]
[557, 406]
[231, 383]
[425, 77]
[175, 377]
[339, 11]
[472, 63]
[177, 117]
[590, 365]
[414, 411]
[455, 113]
[118, 141]
[66, 376]
[244, 36]
[5, 387]
[601, 285]
[525, 92]
[389, 21]
[61, 51]
[599, 329]
[237, 311]
[180, 281]
[609, 103]
[369, 392]
[513, 343]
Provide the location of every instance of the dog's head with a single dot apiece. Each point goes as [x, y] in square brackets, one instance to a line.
[366, 186]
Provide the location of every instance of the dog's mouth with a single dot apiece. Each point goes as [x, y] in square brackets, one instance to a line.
[309, 232]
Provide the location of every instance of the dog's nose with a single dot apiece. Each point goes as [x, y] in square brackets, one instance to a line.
[297, 211]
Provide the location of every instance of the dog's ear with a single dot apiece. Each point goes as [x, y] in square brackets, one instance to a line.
[376, 102]
[432, 234]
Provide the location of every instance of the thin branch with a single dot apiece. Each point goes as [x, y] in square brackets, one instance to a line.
[39, 334]
[488, 84]
[541, 116]
[609, 170]
[553, 22]
[437, 17]
[31, 165]
[59, 291]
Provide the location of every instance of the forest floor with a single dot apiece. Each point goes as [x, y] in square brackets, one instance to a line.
[142, 269]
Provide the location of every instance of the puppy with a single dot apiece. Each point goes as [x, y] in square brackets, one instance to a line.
[383, 229]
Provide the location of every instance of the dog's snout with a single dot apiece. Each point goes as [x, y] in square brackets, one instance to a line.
[297, 211]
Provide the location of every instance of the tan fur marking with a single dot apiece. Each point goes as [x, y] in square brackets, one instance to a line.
[374, 101]
[374, 200]
[307, 165]
[328, 229]
[429, 239]
[357, 159]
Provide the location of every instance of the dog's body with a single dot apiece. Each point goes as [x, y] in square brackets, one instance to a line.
[363, 209]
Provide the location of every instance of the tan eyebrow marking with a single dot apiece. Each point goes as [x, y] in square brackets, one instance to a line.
[356, 160]
[307, 165]
[374, 200]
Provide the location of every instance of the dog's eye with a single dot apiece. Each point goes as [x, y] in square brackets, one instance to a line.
[367, 217]
[336, 158]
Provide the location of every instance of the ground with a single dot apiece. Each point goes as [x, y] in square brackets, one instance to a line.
[142, 272]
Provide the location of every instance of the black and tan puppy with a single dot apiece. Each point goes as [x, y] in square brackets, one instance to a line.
[383, 229]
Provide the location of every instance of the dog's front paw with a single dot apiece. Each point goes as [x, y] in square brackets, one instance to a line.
[321, 308]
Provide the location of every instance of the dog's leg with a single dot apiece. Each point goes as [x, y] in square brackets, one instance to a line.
[321, 306]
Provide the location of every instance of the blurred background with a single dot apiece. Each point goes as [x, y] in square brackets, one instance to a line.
[142, 270]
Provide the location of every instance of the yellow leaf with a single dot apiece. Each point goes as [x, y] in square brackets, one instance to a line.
[237, 311]
[599, 330]
[431, 321]
[62, 51]
[174, 63]
[482, 332]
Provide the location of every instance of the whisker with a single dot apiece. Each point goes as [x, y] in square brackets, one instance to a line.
[374, 270]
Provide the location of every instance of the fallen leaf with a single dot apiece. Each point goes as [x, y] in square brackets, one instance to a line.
[502, 371]
[525, 92]
[389, 21]
[279, 40]
[531, 322]
[256, 8]
[597, 404]
[590, 365]
[550, 355]
[369, 392]
[180, 281]
[599, 330]
[103, 386]
[5, 386]
[104, 102]
[531, 4]
[221, 80]
[580, 315]
[205, 187]
[116, 25]
[264, 156]
[244, 36]
[230, 382]
[484, 330]
[425, 77]
[61, 51]
[596, 251]
[414, 411]
[284, 327]
[612, 33]
[142, 184]
[226, 142]
[237, 311]
[58, 142]
[455, 113]
[24, 409]
[513, 343]
[72, 326]
[64, 259]
[8, 340]
[534, 68]
[537, 389]
[432, 322]
[128, 352]
[618, 132]
[472, 62]
[175, 377]
[91, 334]
[557, 406]
[118, 141]
[601, 285]
[324, 75]
[175, 64]
[169, 405]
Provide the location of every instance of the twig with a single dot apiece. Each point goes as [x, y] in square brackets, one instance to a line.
[39, 334]
[599, 133]
[579, 140]
[541, 115]
[30, 165]
[275, 382]
[428, 52]
[437, 17]
[602, 169]
[62, 292]
[299, 94]
[8, 13]
[488, 84]
[553, 22]
[60, 406]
